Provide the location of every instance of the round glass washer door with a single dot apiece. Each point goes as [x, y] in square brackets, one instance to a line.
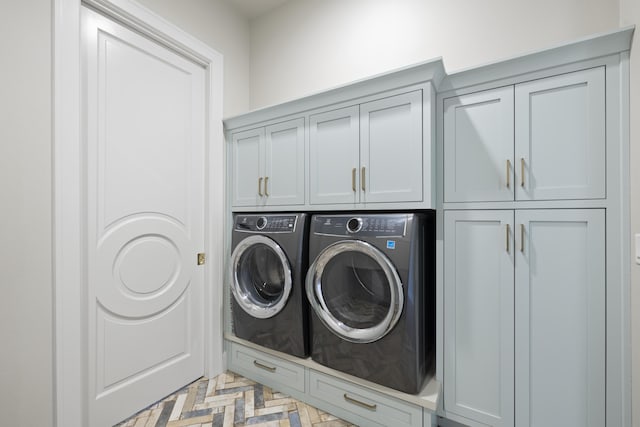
[355, 290]
[261, 276]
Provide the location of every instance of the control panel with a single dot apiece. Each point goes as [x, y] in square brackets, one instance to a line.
[266, 223]
[384, 225]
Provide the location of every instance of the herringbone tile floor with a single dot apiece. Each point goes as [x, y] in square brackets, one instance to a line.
[231, 400]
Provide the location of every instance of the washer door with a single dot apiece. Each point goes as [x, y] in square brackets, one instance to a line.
[261, 282]
[355, 290]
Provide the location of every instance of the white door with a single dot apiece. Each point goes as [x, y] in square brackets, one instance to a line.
[284, 163]
[560, 319]
[478, 323]
[478, 146]
[560, 137]
[248, 167]
[391, 149]
[334, 153]
[145, 154]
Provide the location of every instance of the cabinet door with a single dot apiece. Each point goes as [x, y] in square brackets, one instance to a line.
[560, 137]
[560, 318]
[247, 155]
[334, 145]
[284, 163]
[478, 146]
[391, 149]
[478, 323]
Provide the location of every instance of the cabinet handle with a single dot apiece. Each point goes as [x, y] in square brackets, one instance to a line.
[369, 406]
[266, 181]
[260, 186]
[522, 238]
[353, 179]
[508, 174]
[362, 178]
[265, 367]
[522, 172]
[507, 229]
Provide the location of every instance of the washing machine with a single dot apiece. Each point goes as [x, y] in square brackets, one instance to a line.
[371, 290]
[268, 264]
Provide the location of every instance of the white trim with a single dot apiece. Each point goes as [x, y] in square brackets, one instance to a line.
[70, 364]
[70, 394]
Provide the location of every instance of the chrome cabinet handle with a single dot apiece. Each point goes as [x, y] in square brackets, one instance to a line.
[260, 186]
[508, 174]
[362, 179]
[265, 367]
[266, 181]
[522, 238]
[353, 179]
[522, 172]
[369, 406]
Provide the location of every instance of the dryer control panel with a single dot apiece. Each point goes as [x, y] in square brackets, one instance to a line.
[384, 225]
[266, 223]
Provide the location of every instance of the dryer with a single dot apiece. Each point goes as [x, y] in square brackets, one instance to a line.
[268, 263]
[371, 289]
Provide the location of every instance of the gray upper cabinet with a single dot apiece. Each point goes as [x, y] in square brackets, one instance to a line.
[560, 137]
[247, 154]
[538, 140]
[391, 158]
[478, 146]
[368, 153]
[284, 163]
[268, 165]
[334, 153]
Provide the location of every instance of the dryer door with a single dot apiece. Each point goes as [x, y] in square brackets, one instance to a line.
[355, 290]
[261, 276]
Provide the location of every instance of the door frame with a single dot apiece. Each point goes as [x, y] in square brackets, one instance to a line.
[70, 382]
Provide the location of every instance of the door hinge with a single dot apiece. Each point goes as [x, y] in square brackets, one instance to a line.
[201, 258]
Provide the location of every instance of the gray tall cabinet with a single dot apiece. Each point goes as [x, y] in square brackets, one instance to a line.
[534, 228]
[526, 163]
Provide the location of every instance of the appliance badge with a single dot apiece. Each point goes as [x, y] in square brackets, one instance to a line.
[391, 244]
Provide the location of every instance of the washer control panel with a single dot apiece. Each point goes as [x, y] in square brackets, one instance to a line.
[382, 225]
[266, 223]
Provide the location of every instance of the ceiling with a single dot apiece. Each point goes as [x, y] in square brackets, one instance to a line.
[254, 8]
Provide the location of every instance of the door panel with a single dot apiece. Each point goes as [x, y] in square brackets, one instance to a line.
[478, 143]
[478, 353]
[145, 156]
[334, 143]
[560, 137]
[560, 318]
[284, 154]
[248, 158]
[391, 149]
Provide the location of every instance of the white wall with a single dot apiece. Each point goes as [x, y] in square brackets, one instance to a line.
[26, 365]
[26, 314]
[630, 14]
[218, 25]
[308, 46]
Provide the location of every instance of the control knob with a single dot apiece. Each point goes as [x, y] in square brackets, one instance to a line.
[261, 223]
[354, 225]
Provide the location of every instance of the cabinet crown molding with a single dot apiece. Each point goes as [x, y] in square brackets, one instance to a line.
[603, 44]
[429, 71]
